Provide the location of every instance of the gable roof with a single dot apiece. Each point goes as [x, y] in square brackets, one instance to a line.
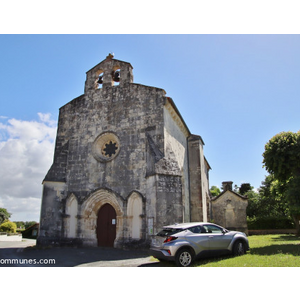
[241, 196]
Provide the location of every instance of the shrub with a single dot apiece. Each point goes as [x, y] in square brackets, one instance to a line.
[270, 223]
[9, 227]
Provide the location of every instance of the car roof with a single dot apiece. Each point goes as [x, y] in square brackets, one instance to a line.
[187, 225]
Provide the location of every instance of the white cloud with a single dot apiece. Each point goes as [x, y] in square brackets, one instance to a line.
[26, 154]
[46, 118]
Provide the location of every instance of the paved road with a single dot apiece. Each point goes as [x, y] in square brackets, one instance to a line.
[25, 254]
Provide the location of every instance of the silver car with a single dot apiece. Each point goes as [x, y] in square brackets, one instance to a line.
[183, 243]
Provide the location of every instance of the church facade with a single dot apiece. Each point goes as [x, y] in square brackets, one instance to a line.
[125, 164]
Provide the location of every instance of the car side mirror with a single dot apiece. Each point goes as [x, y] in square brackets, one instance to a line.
[224, 231]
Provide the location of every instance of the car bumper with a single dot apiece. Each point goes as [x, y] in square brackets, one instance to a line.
[161, 254]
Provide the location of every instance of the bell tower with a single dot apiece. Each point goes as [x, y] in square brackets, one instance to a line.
[108, 73]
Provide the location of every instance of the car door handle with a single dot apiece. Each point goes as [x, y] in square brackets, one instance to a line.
[211, 236]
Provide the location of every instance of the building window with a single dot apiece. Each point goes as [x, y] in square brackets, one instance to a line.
[106, 147]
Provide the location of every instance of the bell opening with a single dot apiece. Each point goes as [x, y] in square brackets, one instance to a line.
[116, 76]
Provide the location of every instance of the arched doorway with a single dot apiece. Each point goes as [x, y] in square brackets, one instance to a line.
[89, 211]
[106, 226]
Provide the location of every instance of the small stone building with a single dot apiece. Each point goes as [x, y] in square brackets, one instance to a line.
[229, 209]
[31, 232]
[125, 164]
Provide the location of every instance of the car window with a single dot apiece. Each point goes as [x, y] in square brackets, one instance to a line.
[212, 229]
[169, 231]
[195, 229]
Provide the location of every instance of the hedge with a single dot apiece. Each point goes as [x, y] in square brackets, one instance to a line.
[270, 223]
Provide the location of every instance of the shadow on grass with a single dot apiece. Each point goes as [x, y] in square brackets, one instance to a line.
[286, 238]
[286, 249]
[203, 261]
[283, 244]
[277, 249]
[290, 246]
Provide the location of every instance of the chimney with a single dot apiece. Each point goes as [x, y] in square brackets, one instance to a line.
[227, 185]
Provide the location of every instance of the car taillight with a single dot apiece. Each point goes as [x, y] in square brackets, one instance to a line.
[169, 239]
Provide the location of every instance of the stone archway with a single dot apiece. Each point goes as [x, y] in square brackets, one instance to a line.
[89, 215]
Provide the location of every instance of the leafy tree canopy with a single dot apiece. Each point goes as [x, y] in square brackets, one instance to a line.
[215, 191]
[245, 187]
[282, 160]
[282, 155]
[4, 215]
[24, 225]
[8, 226]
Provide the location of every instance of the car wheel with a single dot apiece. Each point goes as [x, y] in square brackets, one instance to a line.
[238, 248]
[184, 258]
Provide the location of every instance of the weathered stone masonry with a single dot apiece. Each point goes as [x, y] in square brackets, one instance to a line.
[229, 209]
[126, 145]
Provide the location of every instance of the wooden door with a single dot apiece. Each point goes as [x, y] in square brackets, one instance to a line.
[106, 226]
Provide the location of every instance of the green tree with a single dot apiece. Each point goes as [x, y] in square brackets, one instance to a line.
[282, 160]
[4, 215]
[215, 191]
[20, 224]
[236, 189]
[267, 207]
[282, 155]
[271, 193]
[254, 204]
[245, 187]
[8, 226]
[292, 196]
[29, 223]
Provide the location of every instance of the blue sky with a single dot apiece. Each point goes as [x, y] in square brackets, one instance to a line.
[235, 91]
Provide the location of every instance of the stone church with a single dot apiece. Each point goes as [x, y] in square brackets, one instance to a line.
[125, 164]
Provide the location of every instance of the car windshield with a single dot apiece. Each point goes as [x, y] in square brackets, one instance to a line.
[169, 231]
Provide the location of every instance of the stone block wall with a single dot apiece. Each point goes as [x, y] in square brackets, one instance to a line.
[229, 211]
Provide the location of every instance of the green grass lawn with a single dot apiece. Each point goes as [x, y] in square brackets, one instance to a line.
[281, 250]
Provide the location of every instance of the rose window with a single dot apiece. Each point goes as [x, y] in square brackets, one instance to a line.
[106, 147]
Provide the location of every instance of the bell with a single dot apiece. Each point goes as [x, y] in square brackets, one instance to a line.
[117, 76]
[100, 80]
